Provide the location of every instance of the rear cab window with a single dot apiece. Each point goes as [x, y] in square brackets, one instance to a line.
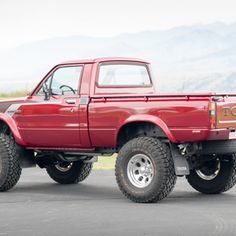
[126, 75]
[127, 78]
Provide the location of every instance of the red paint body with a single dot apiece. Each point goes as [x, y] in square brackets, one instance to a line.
[55, 124]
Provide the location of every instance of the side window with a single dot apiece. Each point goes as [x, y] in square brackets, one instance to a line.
[64, 81]
[123, 75]
[47, 85]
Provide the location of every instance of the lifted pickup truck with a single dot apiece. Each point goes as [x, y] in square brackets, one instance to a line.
[85, 108]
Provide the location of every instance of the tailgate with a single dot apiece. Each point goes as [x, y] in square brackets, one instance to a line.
[226, 113]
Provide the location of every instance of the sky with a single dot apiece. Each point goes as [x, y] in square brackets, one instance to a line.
[23, 21]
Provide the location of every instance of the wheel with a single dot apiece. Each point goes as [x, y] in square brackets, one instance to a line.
[69, 172]
[10, 169]
[216, 176]
[145, 170]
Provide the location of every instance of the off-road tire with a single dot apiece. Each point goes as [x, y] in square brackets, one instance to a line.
[10, 169]
[164, 177]
[78, 172]
[224, 181]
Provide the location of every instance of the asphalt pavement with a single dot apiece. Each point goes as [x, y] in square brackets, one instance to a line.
[38, 206]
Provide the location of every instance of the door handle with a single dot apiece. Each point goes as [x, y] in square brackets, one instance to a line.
[70, 101]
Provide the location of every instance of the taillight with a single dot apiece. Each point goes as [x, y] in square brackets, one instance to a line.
[212, 114]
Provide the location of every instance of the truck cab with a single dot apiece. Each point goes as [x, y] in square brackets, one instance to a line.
[60, 101]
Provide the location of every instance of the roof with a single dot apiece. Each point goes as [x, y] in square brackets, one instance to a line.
[104, 59]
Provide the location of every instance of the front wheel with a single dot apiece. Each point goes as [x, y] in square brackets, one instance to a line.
[10, 169]
[215, 176]
[69, 172]
[145, 170]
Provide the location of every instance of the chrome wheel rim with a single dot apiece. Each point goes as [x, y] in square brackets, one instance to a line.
[209, 174]
[64, 167]
[140, 170]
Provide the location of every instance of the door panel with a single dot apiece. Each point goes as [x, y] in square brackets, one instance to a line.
[53, 122]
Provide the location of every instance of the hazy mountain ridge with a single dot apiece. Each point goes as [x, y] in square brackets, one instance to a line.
[193, 58]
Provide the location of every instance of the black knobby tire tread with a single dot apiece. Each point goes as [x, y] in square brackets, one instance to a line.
[79, 172]
[232, 176]
[8, 150]
[84, 173]
[165, 162]
[169, 172]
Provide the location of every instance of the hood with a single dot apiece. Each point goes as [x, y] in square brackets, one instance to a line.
[5, 103]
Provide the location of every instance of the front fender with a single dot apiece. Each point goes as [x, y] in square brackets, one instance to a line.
[8, 120]
[149, 119]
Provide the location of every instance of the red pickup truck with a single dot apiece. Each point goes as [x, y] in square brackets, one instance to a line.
[85, 108]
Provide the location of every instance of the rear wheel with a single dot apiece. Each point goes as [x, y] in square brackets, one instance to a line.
[10, 169]
[215, 176]
[145, 170]
[69, 172]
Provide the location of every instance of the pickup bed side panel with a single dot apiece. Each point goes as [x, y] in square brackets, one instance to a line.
[187, 119]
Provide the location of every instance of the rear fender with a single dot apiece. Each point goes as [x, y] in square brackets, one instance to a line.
[8, 120]
[149, 119]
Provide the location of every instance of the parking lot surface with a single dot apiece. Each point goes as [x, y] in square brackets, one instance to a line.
[39, 206]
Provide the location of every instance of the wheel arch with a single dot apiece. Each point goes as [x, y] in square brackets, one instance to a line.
[7, 122]
[146, 125]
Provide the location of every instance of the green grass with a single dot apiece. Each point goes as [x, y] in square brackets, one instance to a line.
[105, 163]
[14, 94]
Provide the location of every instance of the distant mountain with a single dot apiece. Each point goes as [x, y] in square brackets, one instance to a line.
[189, 58]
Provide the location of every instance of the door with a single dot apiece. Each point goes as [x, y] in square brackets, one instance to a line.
[53, 122]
